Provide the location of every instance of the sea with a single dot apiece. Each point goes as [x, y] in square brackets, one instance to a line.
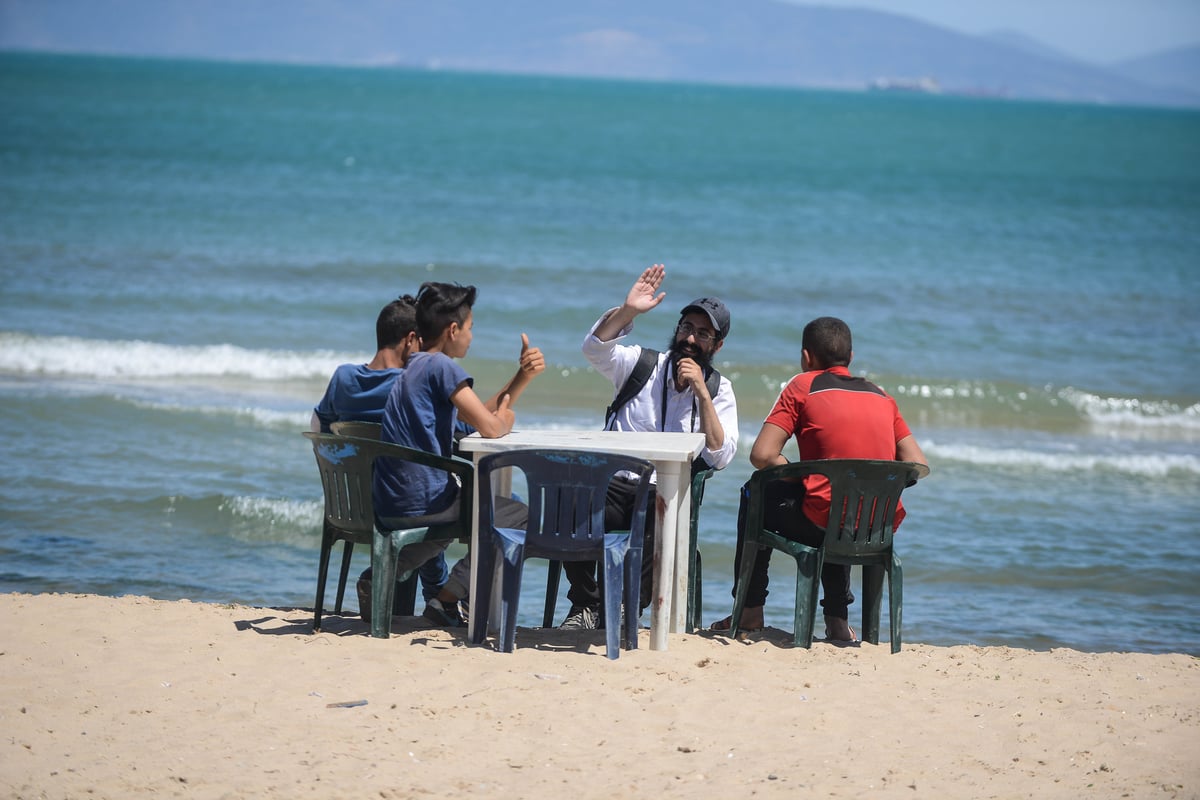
[188, 249]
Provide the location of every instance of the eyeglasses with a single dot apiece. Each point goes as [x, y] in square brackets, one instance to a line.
[703, 335]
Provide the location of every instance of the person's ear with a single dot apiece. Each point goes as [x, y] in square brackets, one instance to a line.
[805, 361]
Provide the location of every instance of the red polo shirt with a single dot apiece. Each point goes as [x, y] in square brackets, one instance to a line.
[835, 415]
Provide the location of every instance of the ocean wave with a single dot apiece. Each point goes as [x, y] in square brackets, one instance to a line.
[261, 417]
[1149, 465]
[1132, 411]
[69, 356]
[993, 404]
[265, 519]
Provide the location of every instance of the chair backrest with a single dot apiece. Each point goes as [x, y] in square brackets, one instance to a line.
[346, 464]
[863, 498]
[567, 490]
[358, 428]
[346, 478]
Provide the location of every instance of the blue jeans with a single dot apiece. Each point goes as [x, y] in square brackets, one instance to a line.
[433, 575]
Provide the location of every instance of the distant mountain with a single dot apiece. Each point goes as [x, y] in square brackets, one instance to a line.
[1178, 68]
[758, 42]
[1027, 44]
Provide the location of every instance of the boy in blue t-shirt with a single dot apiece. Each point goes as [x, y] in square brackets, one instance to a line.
[358, 392]
[426, 404]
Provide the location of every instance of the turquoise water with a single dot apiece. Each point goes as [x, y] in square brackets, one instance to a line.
[187, 250]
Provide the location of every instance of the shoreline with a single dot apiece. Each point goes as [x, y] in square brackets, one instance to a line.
[111, 697]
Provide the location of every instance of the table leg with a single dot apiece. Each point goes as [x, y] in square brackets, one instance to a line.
[664, 556]
[683, 558]
[474, 621]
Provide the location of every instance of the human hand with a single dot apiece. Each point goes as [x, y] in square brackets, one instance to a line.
[641, 297]
[505, 414]
[532, 362]
[688, 372]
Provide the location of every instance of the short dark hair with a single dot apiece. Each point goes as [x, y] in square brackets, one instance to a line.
[828, 342]
[395, 322]
[439, 304]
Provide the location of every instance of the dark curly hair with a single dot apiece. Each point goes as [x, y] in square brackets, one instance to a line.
[395, 322]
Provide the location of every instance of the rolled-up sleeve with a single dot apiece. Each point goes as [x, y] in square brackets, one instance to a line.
[726, 405]
[611, 359]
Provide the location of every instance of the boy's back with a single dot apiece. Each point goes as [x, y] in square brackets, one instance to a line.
[420, 414]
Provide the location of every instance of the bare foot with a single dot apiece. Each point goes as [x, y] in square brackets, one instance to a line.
[752, 620]
[839, 630]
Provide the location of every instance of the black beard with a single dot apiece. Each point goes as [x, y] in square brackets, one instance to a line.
[698, 354]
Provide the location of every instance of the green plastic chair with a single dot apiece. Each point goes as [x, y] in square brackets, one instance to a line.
[695, 580]
[346, 464]
[695, 599]
[357, 530]
[567, 490]
[357, 428]
[860, 531]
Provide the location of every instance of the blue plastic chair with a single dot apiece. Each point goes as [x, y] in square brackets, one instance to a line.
[346, 465]
[566, 491]
[695, 598]
[864, 495]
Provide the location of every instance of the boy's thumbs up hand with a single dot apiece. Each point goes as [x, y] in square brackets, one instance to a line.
[532, 361]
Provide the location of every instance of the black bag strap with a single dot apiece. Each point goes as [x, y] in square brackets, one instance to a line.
[637, 380]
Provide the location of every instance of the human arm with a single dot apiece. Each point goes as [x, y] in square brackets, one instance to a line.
[641, 298]
[907, 449]
[717, 416]
[490, 424]
[767, 450]
[531, 363]
[692, 375]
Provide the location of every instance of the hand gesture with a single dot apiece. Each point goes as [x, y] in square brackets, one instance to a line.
[641, 297]
[688, 372]
[532, 362]
[505, 414]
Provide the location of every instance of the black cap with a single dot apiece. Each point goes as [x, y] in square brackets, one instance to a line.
[716, 311]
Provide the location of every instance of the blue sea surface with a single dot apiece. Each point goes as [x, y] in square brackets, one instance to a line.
[188, 249]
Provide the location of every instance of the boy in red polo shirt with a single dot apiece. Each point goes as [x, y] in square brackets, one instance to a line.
[832, 414]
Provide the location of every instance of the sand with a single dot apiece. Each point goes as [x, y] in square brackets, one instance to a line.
[132, 697]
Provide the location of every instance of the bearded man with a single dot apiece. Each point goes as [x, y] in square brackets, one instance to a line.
[674, 397]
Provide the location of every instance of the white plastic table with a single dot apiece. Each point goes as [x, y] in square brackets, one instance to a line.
[672, 455]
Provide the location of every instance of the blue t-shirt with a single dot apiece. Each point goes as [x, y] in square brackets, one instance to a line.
[420, 415]
[355, 392]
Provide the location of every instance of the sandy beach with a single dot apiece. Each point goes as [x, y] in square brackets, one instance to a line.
[125, 697]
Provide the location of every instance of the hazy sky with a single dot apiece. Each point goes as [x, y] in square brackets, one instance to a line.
[1100, 31]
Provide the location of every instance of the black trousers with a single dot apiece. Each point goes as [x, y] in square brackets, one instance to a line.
[618, 513]
[784, 515]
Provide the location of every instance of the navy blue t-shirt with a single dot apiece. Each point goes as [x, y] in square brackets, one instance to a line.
[355, 392]
[419, 414]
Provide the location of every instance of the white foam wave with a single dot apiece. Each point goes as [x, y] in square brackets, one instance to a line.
[23, 354]
[1150, 465]
[1131, 411]
[279, 511]
[265, 519]
[263, 417]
